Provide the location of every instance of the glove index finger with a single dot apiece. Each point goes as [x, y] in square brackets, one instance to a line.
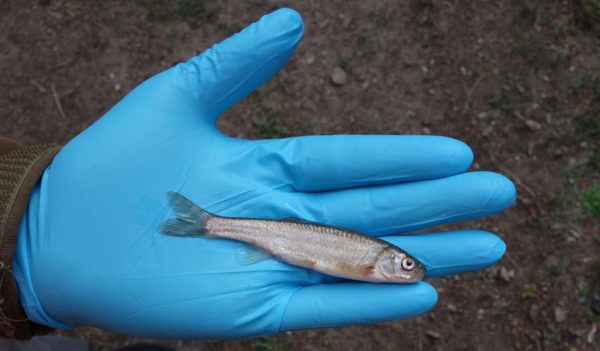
[342, 304]
[233, 68]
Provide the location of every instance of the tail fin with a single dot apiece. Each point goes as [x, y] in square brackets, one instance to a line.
[190, 221]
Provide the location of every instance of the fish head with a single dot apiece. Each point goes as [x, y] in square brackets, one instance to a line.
[396, 266]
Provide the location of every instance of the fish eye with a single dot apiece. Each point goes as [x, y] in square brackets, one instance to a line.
[408, 264]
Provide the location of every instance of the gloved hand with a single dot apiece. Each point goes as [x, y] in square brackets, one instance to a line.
[89, 252]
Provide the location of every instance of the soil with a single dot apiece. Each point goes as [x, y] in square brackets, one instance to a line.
[519, 81]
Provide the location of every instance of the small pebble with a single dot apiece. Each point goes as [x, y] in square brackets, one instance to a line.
[432, 334]
[347, 21]
[506, 274]
[534, 106]
[553, 265]
[492, 271]
[452, 308]
[338, 76]
[479, 313]
[560, 314]
[533, 312]
[533, 125]
[575, 234]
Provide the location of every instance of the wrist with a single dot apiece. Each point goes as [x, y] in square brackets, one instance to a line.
[23, 268]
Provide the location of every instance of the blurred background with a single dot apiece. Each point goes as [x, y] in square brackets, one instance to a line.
[518, 80]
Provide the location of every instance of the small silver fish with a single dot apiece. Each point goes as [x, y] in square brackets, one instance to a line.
[330, 250]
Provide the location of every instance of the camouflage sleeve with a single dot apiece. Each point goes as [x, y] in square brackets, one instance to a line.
[20, 168]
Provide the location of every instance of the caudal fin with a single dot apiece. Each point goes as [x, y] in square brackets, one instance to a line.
[190, 221]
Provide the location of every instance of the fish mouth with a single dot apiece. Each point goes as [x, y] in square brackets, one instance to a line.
[418, 274]
[414, 276]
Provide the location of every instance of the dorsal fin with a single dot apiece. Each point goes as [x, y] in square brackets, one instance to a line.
[297, 220]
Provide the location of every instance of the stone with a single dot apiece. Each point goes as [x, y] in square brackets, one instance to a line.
[533, 125]
[534, 310]
[506, 274]
[338, 76]
[432, 334]
[560, 314]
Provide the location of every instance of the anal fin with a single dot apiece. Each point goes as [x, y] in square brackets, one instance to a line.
[247, 256]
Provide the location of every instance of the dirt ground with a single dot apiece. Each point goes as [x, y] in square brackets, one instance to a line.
[519, 81]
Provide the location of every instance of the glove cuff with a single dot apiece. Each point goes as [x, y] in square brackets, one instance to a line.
[20, 169]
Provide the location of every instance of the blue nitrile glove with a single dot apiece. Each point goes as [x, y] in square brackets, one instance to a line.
[89, 252]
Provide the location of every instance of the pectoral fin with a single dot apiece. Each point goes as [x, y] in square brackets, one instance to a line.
[368, 270]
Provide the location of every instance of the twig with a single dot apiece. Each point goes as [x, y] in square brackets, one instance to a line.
[519, 116]
[535, 209]
[519, 181]
[39, 86]
[470, 91]
[511, 260]
[537, 19]
[57, 101]
[420, 334]
[538, 344]
[514, 176]
[571, 13]
[61, 64]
